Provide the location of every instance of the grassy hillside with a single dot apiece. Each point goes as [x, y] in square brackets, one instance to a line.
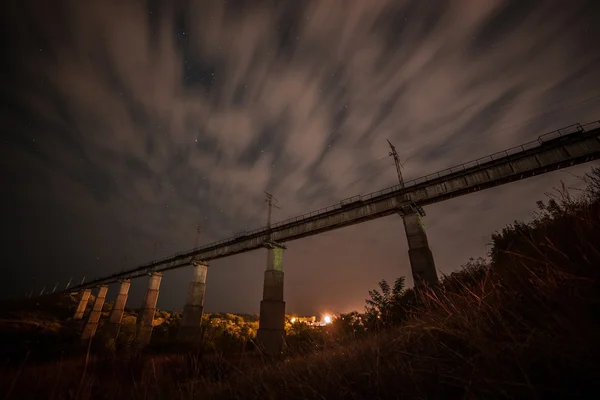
[524, 325]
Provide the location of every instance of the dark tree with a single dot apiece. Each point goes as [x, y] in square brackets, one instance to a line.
[384, 308]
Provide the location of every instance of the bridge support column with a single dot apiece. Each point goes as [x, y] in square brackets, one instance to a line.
[271, 326]
[85, 296]
[116, 315]
[146, 315]
[92, 324]
[421, 258]
[194, 306]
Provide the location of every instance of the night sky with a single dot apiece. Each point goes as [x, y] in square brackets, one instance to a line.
[125, 124]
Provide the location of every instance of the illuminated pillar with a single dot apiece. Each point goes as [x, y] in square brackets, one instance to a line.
[271, 326]
[421, 258]
[92, 324]
[146, 316]
[194, 306]
[85, 296]
[116, 315]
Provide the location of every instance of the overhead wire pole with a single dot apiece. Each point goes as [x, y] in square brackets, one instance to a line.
[198, 230]
[394, 154]
[422, 263]
[269, 200]
[399, 166]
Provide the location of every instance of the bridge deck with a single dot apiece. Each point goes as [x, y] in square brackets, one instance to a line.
[565, 147]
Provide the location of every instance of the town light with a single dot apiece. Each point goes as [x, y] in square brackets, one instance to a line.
[293, 320]
[327, 319]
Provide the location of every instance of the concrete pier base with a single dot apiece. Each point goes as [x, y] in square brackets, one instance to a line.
[92, 324]
[421, 258]
[146, 315]
[194, 306]
[85, 296]
[116, 315]
[271, 326]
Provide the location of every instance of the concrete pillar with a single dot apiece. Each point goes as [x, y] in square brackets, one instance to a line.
[194, 306]
[116, 315]
[85, 296]
[92, 324]
[146, 316]
[271, 326]
[421, 258]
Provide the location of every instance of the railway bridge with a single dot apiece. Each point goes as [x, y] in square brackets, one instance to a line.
[572, 145]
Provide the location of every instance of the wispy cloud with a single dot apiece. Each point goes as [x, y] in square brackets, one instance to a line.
[141, 120]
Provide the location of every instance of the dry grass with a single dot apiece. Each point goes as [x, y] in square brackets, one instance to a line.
[526, 327]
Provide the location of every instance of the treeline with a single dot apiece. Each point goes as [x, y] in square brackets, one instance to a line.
[219, 331]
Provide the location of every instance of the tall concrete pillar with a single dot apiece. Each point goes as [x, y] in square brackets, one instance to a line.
[146, 316]
[194, 306]
[271, 326]
[92, 324]
[421, 258]
[85, 296]
[116, 315]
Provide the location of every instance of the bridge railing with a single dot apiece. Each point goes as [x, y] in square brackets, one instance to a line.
[591, 125]
[562, 132]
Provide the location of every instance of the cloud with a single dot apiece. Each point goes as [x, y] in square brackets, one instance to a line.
[144, 120]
